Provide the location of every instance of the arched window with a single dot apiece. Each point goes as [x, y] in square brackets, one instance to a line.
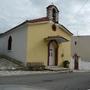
[10, 43]
[54, 15]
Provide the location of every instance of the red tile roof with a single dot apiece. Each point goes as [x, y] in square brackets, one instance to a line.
[39, 20]
[33, 21]
[30, 21]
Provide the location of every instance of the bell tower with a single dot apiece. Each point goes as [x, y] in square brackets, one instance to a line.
[53, 13]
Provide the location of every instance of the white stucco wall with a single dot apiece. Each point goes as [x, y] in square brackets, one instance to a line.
[19, 37]
[1, 45]
[82, 50]
[71, 65]
[82, 47]
[84, 64]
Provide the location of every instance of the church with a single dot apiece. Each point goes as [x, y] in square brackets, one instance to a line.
[42, 40]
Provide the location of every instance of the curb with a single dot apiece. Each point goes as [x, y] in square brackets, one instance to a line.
[81, 70]
[17, 73]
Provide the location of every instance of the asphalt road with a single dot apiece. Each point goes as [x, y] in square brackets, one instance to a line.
[56, 81]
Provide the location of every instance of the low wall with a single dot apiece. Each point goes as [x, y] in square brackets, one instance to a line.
[83, 64]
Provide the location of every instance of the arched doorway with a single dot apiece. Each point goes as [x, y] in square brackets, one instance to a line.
[53, 53]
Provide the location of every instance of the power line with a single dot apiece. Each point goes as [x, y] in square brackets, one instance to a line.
[80, 8]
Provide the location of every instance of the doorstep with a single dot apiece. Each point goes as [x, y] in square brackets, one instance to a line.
[57, 68]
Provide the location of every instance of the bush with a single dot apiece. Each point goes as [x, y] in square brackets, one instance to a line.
[66, 64]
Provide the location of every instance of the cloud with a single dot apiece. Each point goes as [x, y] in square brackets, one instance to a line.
[74, 14]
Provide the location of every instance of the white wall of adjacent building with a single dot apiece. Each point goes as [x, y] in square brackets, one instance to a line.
[82, 48]
[19, 40]
[83, 64]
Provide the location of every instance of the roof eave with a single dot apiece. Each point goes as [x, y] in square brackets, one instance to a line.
[65, 29]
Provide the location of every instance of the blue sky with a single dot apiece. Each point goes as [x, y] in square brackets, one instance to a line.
[74, 14]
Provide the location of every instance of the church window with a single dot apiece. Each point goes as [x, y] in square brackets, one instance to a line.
[10, 43]
[54, 27]
[54, 15]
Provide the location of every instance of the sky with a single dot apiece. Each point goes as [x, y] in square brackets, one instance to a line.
[73, 14]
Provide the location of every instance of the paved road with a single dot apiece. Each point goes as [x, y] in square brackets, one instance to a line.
[59, 81]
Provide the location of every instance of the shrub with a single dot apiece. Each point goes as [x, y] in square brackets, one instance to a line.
[66, 64]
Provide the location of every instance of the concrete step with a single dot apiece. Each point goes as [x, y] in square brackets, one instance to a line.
[8, 65]
[57, 68]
